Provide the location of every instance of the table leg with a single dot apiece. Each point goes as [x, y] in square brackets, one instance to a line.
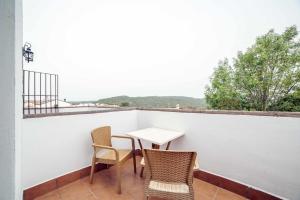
[142, 169]
[168, 145]
[141, 146]
[155, 146]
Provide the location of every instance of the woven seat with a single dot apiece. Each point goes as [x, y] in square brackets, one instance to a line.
[106, 154]
[169, 174]
[110, 155]
[169, 187]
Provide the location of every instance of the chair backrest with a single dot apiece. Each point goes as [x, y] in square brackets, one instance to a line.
[169, 166]
[102, 136]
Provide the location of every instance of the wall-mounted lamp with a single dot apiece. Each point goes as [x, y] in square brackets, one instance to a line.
[27, 53]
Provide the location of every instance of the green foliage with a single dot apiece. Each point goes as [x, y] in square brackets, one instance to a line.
[156, 101]
[222, 93]
[268, 72]
[124, 104]
[289, 103]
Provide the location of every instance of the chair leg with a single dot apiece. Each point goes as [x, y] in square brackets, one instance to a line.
[142, 171]
[92, 170]
[134, 162]
[119, 178]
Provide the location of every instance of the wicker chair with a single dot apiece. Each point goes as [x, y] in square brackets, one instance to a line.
[196, 166]
[169, 174]
[106, 154]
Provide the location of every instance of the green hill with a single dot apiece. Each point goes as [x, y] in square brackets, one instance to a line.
[155, 101]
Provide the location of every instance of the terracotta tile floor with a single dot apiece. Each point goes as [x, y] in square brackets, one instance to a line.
[104, 188]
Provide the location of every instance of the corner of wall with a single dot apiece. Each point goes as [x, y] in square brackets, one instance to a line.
[18, 97]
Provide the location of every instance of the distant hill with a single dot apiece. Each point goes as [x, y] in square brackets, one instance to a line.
[155, 101]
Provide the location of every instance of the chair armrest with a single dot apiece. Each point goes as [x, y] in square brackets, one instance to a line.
[122, 137]
[191, 170]
[126, 137]
[106, 147]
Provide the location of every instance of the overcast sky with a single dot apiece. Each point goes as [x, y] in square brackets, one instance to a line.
[104, 48]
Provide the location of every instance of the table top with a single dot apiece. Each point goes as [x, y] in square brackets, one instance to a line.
[156, 135]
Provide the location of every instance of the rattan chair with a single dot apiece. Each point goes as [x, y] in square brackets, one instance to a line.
[104, 152]
[169, 174]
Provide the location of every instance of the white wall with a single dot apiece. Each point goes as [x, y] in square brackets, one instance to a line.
[18, 97]
[262, 152]
[258, 151]
[54, 146]
[10, 106]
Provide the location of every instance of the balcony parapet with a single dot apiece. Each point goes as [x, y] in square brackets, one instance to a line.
[227, 112]
[76, 113]
[220, 112]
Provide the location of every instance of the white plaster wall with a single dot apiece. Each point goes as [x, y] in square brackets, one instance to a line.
[54, 146]
[10, 88]
[263, 152]
[18, 97]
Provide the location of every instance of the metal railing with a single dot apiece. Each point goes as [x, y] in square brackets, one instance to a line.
[40, 92]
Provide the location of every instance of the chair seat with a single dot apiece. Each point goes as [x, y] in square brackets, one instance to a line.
[169, 187]
[196, 167]
[106, 154]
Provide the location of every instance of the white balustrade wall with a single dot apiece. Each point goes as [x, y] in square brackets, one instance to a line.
[258, 151]
[57, 145]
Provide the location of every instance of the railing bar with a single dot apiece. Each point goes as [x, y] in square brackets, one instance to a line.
[50, 92]
[46, 93]
[54, 92]
[28, 92]
[57, 91]
[38, 72]
[23, 92]
[34, 97]
[40, 93]
[26, 95]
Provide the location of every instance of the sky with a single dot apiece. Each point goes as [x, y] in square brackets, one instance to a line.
[104, 48]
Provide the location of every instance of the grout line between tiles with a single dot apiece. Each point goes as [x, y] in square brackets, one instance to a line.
[216, 193]
[58, 194]
[92, 193]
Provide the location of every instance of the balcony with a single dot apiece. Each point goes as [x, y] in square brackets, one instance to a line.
[242, 155]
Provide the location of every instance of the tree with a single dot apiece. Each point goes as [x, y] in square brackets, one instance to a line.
[288, 103]
[268, 72]
[124, 104]
[222, 93]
